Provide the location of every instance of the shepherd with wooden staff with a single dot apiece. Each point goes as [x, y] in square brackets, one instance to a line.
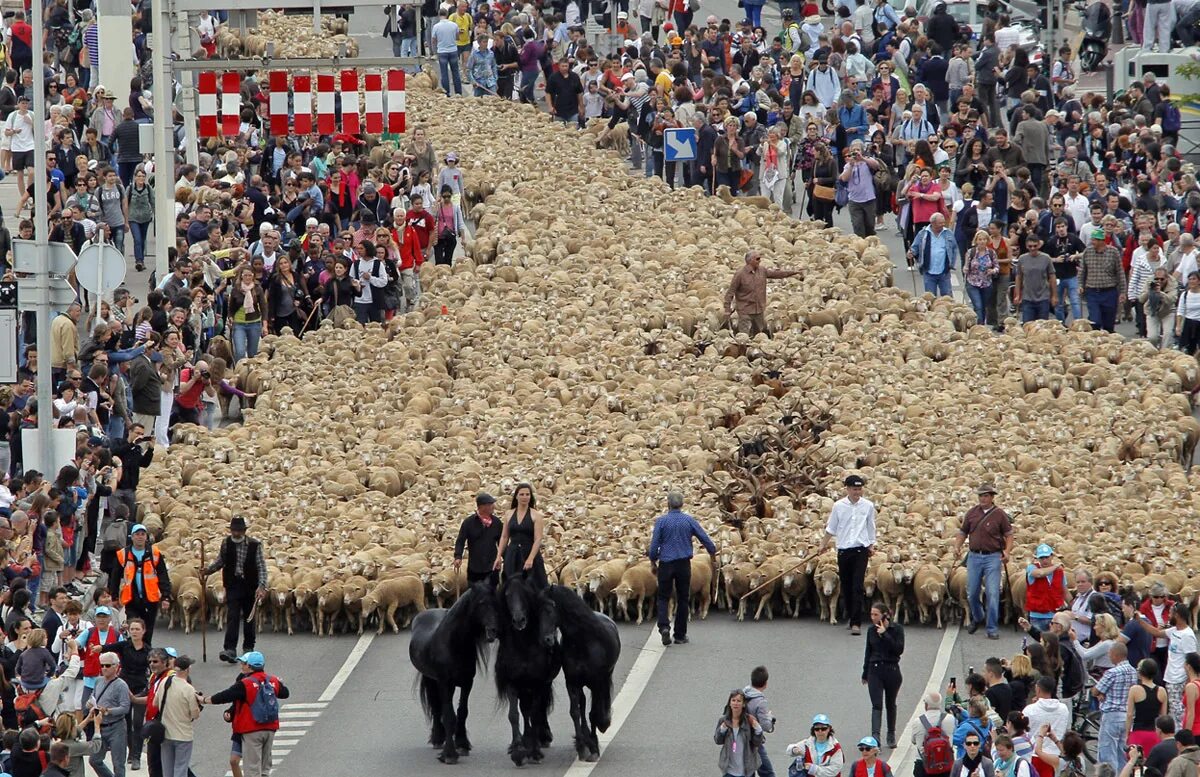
[851, 527]
[989, 535]
[244, 577]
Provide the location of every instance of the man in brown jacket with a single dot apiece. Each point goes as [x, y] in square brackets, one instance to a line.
[1186, 763]
[747, 294]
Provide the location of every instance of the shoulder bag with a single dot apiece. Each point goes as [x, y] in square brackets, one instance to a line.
[155, 730]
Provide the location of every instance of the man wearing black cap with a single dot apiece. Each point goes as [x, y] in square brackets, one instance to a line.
[480, 534]
[244, 577]
[852, 527]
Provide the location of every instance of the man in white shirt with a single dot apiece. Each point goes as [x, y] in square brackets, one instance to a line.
[1048, 710]
[851, 527]
[19, 130]
[1186, 258]
[1075, 203]
[370, 274]
[1181, 640]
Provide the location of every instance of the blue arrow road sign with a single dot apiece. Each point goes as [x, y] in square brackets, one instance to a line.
[679, 144]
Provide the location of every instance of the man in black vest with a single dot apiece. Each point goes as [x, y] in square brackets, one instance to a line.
[244, 576]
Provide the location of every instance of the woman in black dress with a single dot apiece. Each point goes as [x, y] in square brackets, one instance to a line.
[521, 539]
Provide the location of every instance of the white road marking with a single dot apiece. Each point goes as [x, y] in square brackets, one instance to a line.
[296, 723]
[306, 705]
[343, 674]
[286, 713]
[627, 698]
[906, 753]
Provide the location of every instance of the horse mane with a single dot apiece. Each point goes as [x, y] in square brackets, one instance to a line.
[463, 609]
[575, 611]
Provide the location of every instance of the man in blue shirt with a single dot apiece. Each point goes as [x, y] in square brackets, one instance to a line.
[671, 557]
[935, 253]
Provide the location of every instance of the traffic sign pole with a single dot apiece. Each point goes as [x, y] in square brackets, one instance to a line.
[41, 236]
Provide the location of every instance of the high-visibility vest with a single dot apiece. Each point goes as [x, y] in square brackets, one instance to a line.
[129, 564]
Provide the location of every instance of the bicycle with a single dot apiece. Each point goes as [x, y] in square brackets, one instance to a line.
[1085, 721]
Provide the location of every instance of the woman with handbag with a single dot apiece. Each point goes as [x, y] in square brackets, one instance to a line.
[822, 186]
[448, 227]
[774, 162]
[288, 301]
[980, 265]
[820, 755]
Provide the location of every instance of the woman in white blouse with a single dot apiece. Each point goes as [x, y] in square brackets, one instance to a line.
[1187, 315]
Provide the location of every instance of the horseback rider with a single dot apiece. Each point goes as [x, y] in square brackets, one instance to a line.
[480, 536]
[521, 539]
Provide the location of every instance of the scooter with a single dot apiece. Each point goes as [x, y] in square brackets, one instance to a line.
[1097, 29]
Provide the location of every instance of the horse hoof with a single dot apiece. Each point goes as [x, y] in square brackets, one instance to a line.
[463, 744]
[545, 739]
[448, 758]
[518, 756]
[592, 757]
[537, 756]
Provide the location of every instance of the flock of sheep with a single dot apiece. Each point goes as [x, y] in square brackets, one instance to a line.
[580, 347]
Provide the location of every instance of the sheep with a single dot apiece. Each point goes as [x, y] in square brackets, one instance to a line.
[187, 603]
[929, 585]
[736, 577]
[828, 586]
[638, 586]
[602, 580]
[389, 596]
[330, 604]
[764, 587]
[701, 584]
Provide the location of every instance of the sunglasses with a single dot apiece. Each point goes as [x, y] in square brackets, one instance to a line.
[971, 744]
[1158, 597]
[820, 728]
[1104, 582]
[864, 748]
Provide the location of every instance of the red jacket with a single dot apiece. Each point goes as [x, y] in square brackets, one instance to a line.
[422, 221]
[91, 661]
[1045, 594]
[411, 255]
[243, 718]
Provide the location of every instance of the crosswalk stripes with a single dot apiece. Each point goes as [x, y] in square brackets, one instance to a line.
[294, 721]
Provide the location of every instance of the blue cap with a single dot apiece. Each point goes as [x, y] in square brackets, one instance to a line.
[253, 658]
[102, 610]
[137, 527]
[1043, 551]
[821, 719]
[172, 652]
[868, 742]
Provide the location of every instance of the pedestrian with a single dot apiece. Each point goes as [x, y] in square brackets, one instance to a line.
[1191, 693]
[1067, 761]
[521, 539]
[254, 720]
[90, 643]
[747, 294]
[1046, 589]
[999, 693]
[1005, 760]
[180, 705]
[1155, 610]
[1147, 700]
[934, 253]
[1161, 755]
[112, 699]
[931, 734]
[1103, 281]
[820, 755]
[479, 534]
[1187, 763]
[851, 526]
[671, 559]
[1049, 718]
[881, 669]
[740, 736]
[1187, 315]
[1036, 292]
[858, 176]
[1112, 690]
[756, 705]
[869, 764]
[244, 578]
[59, 756]
[1181, 641]
[140, 580]
[988, 532]
[974, 762]
[159, 662]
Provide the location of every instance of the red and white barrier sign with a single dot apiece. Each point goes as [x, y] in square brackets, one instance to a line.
[395, 101]
[231, 104]
[373, 109]
[381, 107]
[350, 102]
[206, 111]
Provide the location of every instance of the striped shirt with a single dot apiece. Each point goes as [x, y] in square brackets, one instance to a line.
[91, 39]
[1115, 685]
[672, 538]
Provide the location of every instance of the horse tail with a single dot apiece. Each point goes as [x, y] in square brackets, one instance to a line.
[602, 702]
[428, 689]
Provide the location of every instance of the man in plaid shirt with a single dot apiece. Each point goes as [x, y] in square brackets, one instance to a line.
[1113, 691]
[244, 576]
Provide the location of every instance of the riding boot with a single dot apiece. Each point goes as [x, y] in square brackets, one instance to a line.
[876, 719]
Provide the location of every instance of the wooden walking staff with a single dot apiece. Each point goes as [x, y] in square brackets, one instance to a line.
[781, 574]
[203, 614]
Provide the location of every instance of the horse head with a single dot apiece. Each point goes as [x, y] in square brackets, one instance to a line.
[519, 599]
[484, 610]
[549, 620]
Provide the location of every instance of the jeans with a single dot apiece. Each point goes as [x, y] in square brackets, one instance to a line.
[570, 121]
[139, 232]
[984, 568]
[118, 238]
[978, 297]
[245, 340]
[765, 768]
[998, 307]
[1160, 331]
[675, 576]
[1035, 310]
[528, 82]
[1068, 291]
[1042, 622]
[366, 312]
[112, 740]
[176, 755]
[447, 67]
[1111, 740]
[754, 16]
[1102, 308]
[937, 285]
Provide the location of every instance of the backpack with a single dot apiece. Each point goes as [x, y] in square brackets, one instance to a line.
[1171, 120]
[115, 535]
[29, 711]
[937, 754]
[985, 736]
[265, 708]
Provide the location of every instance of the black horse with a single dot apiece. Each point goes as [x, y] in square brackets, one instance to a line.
[525, 669]
[590, 648]
[446, 647]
